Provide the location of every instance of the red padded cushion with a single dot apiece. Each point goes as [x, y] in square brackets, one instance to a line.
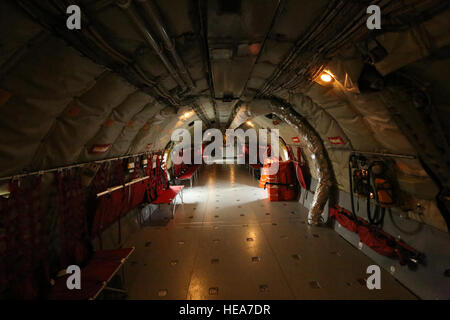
[102, 267]
[166, 196]
[189, 173]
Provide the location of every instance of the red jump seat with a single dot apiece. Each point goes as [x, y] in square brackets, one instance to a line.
[95, 276]
[169, 196]
[189, 174]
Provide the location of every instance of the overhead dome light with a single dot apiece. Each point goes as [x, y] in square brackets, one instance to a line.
[326, 77]
[186, 115]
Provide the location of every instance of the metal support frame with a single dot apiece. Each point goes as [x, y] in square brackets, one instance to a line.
[41, 172]
[174, 202]
[151, 12]
[126, 6]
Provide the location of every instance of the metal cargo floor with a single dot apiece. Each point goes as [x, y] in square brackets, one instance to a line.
[229, 242]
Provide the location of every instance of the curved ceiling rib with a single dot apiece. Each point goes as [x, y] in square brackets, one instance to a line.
[126, 5]
[90, 42]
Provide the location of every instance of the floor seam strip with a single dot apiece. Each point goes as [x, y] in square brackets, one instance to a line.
[197, 247]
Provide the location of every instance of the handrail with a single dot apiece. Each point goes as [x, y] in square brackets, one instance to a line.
[112, 189]
[40, 172]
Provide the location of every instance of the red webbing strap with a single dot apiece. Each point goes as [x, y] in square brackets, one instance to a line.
[134, 194]
[101, 180]
[8, 239]
[149, 165]
[151, 182]
[98, 206]
[121, 197]
[372, 236]
[137, 193]
[72, 217]
[110, 207]
[148, 172]
[344, 219]
[108, 210]
[376, 241]
[102, 208]
[117, 207]
[299, 173]
[299, 155]
[159, 176]
[118, 171]
[137, 170]
[290, 153]
[164, 176]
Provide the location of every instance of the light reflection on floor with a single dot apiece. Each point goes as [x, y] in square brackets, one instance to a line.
[229, 242]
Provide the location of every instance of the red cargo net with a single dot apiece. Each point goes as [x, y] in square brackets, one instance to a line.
[23, 241]
[72, 218]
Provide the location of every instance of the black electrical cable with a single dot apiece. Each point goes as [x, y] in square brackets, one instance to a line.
[378, 215]
[350, 177]
[416, 230]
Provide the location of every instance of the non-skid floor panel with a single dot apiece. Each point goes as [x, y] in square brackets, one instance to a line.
[229, 242]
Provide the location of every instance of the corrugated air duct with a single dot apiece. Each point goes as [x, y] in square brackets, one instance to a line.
[322, 164]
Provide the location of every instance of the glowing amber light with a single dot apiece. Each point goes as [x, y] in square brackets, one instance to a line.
[326, 77]
[187, 114]
[254, 48]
